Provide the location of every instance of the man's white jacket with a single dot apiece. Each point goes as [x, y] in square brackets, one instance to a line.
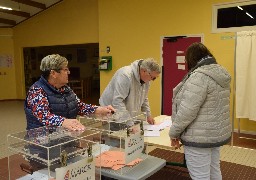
[126, 92]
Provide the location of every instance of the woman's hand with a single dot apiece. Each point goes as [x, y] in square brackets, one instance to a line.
[73, 124]
[175, 143]
[105, 110]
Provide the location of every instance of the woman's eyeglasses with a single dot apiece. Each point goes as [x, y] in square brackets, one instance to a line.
[63, 69]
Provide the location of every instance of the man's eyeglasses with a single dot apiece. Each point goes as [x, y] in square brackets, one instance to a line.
[152, 78]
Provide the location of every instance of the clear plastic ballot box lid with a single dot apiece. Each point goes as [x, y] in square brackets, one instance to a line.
[54, 153]
[122, 140]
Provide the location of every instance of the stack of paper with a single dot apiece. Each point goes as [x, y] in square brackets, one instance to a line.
[151, 133]
[154, 130]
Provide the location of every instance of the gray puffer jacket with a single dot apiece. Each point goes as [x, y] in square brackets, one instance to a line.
[201, 108]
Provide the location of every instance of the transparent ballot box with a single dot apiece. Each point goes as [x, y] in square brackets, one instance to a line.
[122, 140]
[54, 153]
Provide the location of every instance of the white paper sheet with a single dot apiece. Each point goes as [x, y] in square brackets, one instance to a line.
[151, 133]
[150, 127]
[167, 122]
[181, 66]
[180, 52]
[96, 150]
[180, 59]
[35, 175]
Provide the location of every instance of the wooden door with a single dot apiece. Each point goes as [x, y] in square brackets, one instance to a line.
[174, 67]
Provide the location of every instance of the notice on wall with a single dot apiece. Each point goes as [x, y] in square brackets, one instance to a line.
[180, 52]
[181, 67]
[6, 60]
[180, 59]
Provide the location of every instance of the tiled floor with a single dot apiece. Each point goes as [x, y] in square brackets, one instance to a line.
[238, 155]
[12, 120]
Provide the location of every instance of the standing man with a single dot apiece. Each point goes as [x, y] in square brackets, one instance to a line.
[128, 88]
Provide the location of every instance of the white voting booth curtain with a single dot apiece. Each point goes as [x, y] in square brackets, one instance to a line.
[246, 75]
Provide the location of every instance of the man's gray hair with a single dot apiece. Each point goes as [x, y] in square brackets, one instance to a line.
[53, 62]
[149, 64]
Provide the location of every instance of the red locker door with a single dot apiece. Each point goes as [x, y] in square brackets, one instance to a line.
[174, 67]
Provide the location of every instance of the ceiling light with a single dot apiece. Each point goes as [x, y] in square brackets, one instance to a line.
[239, 7]
[2, 7]
[249, 15]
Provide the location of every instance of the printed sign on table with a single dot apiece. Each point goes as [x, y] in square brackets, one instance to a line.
[134, 145]
[80, 170]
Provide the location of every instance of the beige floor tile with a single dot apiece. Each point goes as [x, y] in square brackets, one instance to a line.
[238, 155]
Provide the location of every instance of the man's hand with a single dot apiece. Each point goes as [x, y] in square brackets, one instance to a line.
[73, 124]
[150, 120]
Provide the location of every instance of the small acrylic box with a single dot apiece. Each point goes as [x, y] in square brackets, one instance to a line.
[122, 141]
[54, 153]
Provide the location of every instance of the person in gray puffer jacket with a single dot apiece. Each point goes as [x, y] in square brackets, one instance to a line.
[201, 113]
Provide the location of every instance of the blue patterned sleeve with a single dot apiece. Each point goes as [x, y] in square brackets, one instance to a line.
[39, 104]
[85, 109]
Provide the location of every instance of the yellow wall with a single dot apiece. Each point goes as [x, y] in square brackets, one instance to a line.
[70, 22]
[7, 74]
[133, 30]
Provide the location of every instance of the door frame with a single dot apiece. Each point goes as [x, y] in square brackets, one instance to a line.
[161, 60]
